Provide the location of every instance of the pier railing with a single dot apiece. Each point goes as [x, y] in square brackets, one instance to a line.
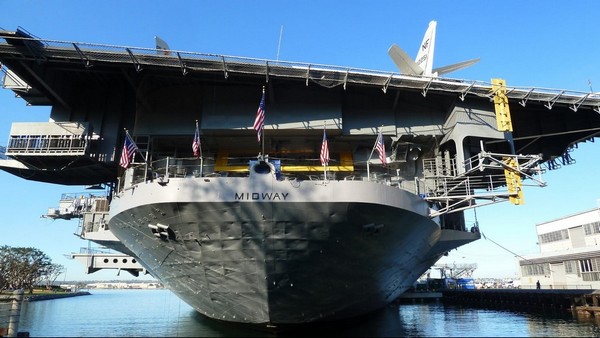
[557, 287]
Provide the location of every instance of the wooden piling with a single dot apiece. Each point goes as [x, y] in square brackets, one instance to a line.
[588, 305]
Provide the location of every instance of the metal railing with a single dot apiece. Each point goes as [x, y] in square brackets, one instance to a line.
[74, 205]
[52, 145]
[557, 286]
[481, 178]
[171, 167]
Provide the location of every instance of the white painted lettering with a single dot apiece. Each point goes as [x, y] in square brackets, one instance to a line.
[265, 196]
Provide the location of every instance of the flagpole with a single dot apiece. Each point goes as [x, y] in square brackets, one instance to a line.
[369, 158]
[124, 169]
[146, 167]
[371, 155]
[129, 158]
[262, 130]
[374, 145]
[126, 135]
[326, 163]
[200, 148]
[259, 124]
[136, 148]
[368, 173]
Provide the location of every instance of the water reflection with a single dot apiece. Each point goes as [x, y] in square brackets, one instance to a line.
[150, 313]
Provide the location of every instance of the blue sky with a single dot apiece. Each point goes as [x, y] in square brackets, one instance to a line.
[527, 43]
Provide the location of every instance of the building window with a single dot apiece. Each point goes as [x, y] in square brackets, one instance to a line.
[592, 228]
[535, 270]
[590, 276]
[585, 265]
[590, 269]
[554, 236]
[571, 267]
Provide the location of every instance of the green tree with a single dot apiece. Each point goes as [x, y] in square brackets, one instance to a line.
[50, 274]
[23, 267]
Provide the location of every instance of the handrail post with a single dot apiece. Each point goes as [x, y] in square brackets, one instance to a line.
[15, 313]
[167, 168]
[146, 168]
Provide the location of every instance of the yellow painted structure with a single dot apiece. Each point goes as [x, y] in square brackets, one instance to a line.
[346, 165]
[513, 181]
[504, 123]
[501, 105]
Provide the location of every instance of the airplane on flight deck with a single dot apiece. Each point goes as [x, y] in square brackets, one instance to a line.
[423, 64]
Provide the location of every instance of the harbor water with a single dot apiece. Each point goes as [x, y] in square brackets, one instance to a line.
[153, 313]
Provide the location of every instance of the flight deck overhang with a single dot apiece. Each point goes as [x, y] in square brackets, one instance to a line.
[29, 58]
[65, 74]
[81, 172]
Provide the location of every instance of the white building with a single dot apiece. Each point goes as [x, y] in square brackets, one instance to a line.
[569, 255]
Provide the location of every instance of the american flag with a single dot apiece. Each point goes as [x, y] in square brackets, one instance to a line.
[196, 142]
[324, 150]
[259, 122]
[129, 149]
[380, 146]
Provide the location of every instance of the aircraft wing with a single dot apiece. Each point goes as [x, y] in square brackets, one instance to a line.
[453, 67]
[404, 63]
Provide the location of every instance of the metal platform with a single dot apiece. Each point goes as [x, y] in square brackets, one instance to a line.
[95, 260]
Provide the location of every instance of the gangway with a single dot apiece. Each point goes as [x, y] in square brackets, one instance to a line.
[456, 270]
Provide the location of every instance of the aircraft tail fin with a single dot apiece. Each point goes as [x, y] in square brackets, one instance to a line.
[456, 66]
[423, 64]
[424, 57]
[404, 62]
[161, 46]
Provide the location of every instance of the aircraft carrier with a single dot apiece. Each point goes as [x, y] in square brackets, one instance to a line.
[277, 232]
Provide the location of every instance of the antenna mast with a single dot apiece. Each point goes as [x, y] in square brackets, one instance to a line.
[279, 44]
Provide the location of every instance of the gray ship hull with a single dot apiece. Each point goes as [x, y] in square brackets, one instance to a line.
[259, 250]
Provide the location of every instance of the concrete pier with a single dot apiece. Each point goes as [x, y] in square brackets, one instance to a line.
[34, 298]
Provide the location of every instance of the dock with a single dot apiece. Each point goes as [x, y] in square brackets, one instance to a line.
[531, 300]
[35, 298]
[581, 303]
[420, 297]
